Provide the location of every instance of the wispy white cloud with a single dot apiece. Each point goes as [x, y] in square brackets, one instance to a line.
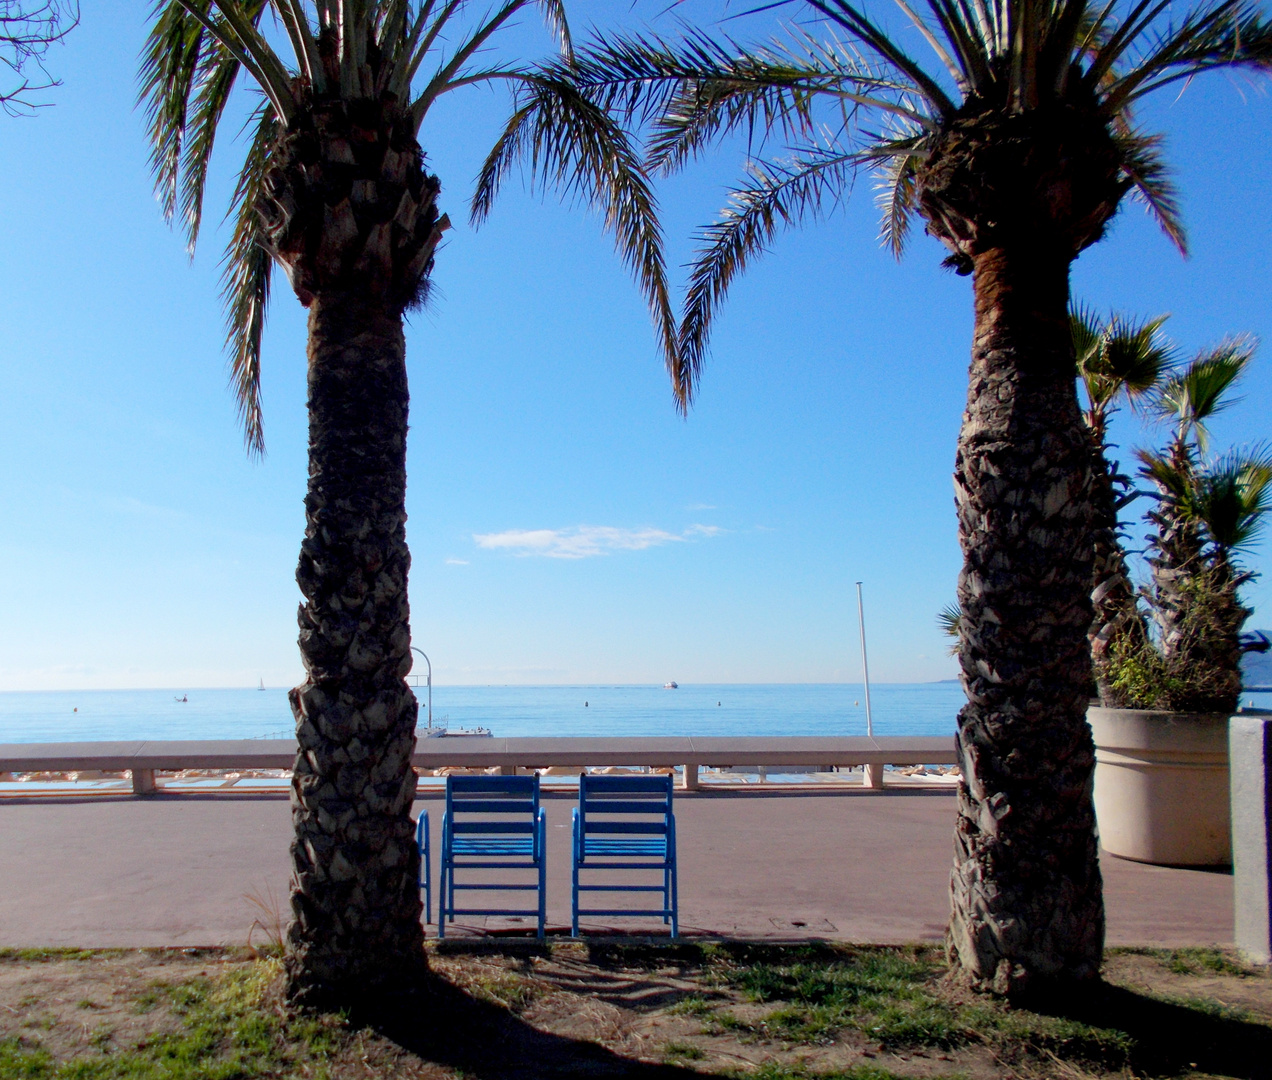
[700, 506]
[584, 541]
[456, 562]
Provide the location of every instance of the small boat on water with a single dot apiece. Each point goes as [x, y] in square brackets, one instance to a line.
[673, 685]
[262, 686]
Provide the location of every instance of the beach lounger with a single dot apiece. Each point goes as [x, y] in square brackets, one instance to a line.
[626, 823]
[492, 823]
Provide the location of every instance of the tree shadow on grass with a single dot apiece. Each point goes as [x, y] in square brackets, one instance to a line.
[440, 1023]
[1171, 1038]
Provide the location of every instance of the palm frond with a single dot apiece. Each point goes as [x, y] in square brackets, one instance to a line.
[896, 193]
[1221, 34]
[782, 195]
[568, 141]
[1233, 497]
[245, 275]
[1151, 184]
[878, 42]
[950, 621]
[1087, 330]
[170, 61]
[1191, 397]
[1172, 481]
[554, 16]
[217, 72]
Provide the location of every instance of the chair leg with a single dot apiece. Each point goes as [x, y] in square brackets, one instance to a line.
[542, 825]
[441, 899]
[675, 901]
[428, 873]
[574, 901]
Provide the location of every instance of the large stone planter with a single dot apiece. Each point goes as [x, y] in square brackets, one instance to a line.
[1161, 786]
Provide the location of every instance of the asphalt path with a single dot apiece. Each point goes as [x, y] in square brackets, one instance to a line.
[184, 870]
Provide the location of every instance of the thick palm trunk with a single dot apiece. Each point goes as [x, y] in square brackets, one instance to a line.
[1026, 895]
[354, 893]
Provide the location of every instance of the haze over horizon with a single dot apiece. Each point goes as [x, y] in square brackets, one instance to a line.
[567, 527]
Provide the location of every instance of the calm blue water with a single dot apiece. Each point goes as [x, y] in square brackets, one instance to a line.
[833, 709]
[796, 709]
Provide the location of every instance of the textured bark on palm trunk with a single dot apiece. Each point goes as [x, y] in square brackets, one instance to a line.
[1027, 905]
[352, 216]
[1118, 624]
[354, 893]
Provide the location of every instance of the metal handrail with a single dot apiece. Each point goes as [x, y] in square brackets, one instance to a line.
[430, 684]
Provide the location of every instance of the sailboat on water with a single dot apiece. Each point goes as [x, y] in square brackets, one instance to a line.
[262, 686]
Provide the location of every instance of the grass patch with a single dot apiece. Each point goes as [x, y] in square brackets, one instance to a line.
[692, 1005]
[893, 997]
[678, 1051]
[508, 989]
[1204, 962]
[45, 956]
[228, 1031]
[1191, 961]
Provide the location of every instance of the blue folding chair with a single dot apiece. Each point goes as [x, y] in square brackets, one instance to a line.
[626, 823]
[492, 822]
[425, 880]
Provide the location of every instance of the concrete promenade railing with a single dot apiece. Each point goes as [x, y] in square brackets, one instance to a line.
[142, 759]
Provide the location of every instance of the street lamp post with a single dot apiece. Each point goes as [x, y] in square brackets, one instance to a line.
[430, 684]
[865, 668]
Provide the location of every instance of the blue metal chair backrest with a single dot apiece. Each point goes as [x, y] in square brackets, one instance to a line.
[624, 805]
[514, 800]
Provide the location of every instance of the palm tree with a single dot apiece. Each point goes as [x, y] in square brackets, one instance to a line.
[1233, 497]
[1187, 401]
[1119, 360]
[333, 187]
[1016, 148]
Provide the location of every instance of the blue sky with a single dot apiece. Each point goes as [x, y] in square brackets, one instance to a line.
[566, 525]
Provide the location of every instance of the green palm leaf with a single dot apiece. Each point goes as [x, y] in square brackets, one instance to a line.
[1012, 55]
[416, 51]
[781, 195]
[1200, 392]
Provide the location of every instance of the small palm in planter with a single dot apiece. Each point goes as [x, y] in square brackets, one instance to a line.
[1169, 684]
[1120, 361]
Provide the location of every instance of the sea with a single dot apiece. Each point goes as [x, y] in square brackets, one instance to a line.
[505, 711]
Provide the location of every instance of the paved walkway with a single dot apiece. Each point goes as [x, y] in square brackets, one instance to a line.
[176, 870]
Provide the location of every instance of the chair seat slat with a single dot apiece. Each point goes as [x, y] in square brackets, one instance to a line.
[506, 828]
[613, 806]
[592, 827]
[639, 847]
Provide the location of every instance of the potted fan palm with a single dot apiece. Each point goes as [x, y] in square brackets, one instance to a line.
[1167, 657]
